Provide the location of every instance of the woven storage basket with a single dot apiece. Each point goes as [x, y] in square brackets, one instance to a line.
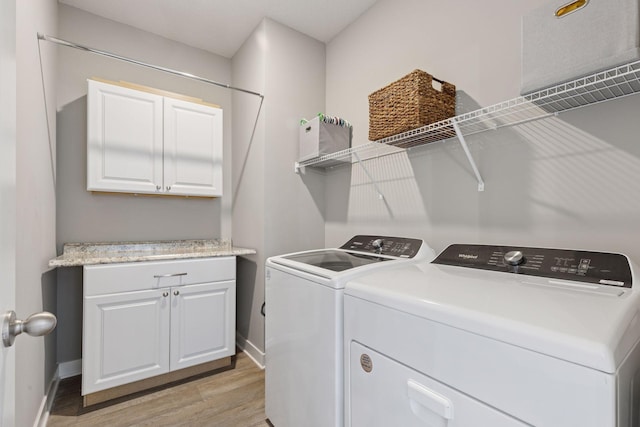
[409, 103]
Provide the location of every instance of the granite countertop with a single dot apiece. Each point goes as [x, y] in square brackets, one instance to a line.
[78, 254]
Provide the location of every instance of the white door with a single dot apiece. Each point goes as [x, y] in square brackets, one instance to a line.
[192, 148]
[7, 200]
[203, 323]
[124, 131]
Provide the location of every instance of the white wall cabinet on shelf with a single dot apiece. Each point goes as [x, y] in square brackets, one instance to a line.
[146, 143]
[146, 319]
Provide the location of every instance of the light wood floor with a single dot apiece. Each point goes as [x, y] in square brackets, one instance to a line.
[230, 398]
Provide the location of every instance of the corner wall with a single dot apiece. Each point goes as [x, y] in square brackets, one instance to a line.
[275, 211]
[569, 181]
[248, 68]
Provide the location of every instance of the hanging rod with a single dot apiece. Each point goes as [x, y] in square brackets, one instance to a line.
[143, 64]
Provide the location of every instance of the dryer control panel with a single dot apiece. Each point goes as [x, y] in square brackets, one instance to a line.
[584, 266]
[400, 247]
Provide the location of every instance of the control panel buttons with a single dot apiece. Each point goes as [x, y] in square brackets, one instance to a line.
[602, 268]
[388, 245]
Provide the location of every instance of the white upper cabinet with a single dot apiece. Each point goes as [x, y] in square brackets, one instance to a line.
[147, 143]
[124, 147]
[192, 148]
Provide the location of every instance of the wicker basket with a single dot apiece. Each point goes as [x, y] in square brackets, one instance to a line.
[409, 103]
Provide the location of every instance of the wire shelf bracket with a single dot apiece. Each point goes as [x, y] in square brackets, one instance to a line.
[465, 147]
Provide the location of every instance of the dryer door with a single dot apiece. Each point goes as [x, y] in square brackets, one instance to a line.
[386, 393]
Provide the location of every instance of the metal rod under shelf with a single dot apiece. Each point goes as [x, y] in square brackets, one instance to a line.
[142, 64]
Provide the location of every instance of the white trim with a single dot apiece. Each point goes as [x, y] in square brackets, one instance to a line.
[69, 369]
[250, 350]
[47, 402]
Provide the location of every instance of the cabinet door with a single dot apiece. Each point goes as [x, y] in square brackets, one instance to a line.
[203, 323]
[192, 148]
[124, 147]
[125, 338]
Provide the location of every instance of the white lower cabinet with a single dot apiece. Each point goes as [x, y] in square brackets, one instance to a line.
[199, 323]
[151, 318]
[125, 338]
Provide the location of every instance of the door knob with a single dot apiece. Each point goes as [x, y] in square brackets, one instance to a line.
[36, 325]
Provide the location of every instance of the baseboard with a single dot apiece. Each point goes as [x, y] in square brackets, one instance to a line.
[251, 350]
[69, 369]
[64, 370]
[47, 403]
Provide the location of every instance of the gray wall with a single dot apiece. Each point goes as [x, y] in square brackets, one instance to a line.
[35, 201]
[275, 210]
[569, 181]
[86, 217]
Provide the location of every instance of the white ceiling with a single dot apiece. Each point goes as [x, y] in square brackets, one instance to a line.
[221, 26]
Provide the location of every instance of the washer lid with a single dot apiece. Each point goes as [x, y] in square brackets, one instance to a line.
[335, 260]
[591, 325]
[361, 254]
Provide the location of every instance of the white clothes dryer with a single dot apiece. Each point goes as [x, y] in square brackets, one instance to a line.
[495, 336]
[304, 325]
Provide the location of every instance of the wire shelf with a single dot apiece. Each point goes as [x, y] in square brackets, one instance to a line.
[615, 83]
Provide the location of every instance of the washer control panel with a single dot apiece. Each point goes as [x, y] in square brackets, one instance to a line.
[584, 266]
[394, 246]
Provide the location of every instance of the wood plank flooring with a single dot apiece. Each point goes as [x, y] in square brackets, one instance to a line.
[229, 398]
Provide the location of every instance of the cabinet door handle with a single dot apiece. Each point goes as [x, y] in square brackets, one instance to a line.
[176, 293]
[160, 276]
[165, 294]
[168, 188]
[158, 187]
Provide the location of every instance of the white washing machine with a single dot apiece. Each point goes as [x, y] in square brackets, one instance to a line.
[495, 336]
[304, 325]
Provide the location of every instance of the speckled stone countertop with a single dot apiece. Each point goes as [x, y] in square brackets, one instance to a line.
[77, 254]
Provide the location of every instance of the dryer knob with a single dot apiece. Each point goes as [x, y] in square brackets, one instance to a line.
[514, 258]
